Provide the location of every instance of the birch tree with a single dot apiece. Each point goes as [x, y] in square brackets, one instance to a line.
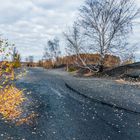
[107, 24]
[76, 46]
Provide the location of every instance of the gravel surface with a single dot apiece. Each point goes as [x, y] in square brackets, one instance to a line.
[107, 91]
[64, 114]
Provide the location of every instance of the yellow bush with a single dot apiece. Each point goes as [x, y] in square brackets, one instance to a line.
[10, 100]
[16, 64]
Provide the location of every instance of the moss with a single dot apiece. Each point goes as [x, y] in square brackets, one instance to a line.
[72, 69]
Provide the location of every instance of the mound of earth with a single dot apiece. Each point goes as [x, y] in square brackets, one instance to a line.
[125, 71]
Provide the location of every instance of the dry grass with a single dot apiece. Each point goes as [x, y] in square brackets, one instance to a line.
[92, 59]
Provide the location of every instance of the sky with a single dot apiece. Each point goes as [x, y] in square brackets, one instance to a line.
[29, 24]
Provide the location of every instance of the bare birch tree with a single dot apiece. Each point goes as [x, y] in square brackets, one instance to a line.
[52, 50]
[75, 46]
[107, 23]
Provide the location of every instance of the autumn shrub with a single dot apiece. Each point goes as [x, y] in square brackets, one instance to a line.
[48, 64]
[11, 98]
[110, 61]
[16, 64]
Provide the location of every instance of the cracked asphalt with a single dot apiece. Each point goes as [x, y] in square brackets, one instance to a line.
[65, 115]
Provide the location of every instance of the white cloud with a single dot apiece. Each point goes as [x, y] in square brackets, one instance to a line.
[30, 23]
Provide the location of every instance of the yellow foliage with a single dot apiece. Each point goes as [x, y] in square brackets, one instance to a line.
[10, 100]
[16, 64]
[6, 72]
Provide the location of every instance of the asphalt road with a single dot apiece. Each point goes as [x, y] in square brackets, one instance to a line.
[65, 115]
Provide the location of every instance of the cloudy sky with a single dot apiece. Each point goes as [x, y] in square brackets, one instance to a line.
[30, 23]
